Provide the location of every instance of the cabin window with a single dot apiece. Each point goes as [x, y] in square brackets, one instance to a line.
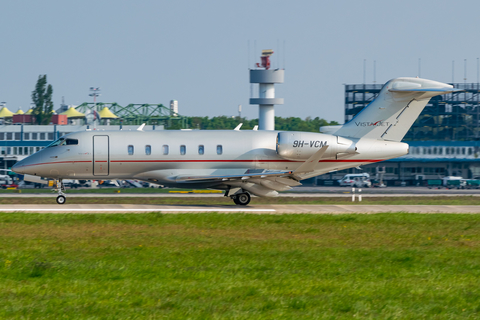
[18, 136]
[470, 151]
[2, 135]
[148, 150]
[440, 150]
[37, 148]
[9, 136]
[50, 136]
[130, 150]
[219, 149]
[165, 149]
[14, 150]
[34, 136]
[463, 150]
[26, 136]
[183, 149]
[201, 149]
[42, 135]
[31, 150]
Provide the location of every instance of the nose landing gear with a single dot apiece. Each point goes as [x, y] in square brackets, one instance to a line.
[60, 188]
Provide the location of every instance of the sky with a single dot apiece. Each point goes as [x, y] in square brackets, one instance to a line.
[199, 52]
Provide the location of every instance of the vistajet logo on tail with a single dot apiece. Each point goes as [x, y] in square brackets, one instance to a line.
[379, 123]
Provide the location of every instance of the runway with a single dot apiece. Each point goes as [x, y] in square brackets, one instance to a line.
[251, 209]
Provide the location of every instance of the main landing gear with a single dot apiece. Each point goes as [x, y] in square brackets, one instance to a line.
[60, 188]
[241, 199]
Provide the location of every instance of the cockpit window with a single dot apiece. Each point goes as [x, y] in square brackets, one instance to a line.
[71, 142]
[56, 143]
[63, 142]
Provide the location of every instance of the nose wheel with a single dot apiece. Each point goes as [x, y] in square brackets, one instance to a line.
[241, 199]
[60, 188]
[61, 199]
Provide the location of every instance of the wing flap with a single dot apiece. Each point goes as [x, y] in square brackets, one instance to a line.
[226, 178]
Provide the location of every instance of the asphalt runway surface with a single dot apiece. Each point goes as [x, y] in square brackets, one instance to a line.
[330, 192]
[253, 209]
[303, 191]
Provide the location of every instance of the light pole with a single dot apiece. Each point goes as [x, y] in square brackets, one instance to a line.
[95, 92]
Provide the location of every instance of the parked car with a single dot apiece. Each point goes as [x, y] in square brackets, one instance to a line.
[108, 184]
[356, 180]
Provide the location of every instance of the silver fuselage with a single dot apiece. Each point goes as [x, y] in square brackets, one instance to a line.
[103, 155]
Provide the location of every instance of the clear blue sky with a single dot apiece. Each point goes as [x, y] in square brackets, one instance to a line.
[197, 51]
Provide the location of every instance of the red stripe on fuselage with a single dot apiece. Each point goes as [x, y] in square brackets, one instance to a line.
[38, 164]
[203, 161]
[256, 160]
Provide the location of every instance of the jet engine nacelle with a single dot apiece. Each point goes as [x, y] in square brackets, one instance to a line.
[302, 145]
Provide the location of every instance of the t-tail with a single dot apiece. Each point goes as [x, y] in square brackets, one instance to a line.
[394, 110]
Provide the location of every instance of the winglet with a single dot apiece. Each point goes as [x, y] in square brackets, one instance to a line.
[237, 128]
[141, 127]
[309, 165]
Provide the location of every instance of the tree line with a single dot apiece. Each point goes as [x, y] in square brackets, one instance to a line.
[283, 124]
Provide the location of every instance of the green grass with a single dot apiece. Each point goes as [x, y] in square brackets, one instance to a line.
[191, 199]
[236, 266]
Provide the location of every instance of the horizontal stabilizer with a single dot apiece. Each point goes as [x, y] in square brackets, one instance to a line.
[442, 90]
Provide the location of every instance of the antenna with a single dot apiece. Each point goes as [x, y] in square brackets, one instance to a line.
[278, 59]
[248, 53]
[478, 72]
[453, 71]
[284, 54]
[419, 67]
[374, 71]
[254, 49]
[364, 67]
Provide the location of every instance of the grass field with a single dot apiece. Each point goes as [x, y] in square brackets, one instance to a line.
[236, 266]
[195, 200]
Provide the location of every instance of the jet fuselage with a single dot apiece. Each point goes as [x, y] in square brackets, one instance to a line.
[162, 156]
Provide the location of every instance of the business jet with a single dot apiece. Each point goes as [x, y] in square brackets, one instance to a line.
[241, 162]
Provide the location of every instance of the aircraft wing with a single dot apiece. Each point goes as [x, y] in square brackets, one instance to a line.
[265, 182]
[259, 175]
[259, 183]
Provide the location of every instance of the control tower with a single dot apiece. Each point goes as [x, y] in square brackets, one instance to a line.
[266, 100]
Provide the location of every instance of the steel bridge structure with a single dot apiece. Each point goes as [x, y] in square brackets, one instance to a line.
[136, 114]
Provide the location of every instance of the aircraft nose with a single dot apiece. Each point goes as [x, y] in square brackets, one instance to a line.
[18, 167]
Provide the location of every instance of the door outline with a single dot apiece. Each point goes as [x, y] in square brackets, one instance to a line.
[102, 159]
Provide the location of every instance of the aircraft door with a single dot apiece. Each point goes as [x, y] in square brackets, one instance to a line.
[101, 156]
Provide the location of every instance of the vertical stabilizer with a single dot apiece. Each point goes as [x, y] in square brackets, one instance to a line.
[394, 110]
